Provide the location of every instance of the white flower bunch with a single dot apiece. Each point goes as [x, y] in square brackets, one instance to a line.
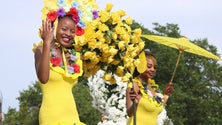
[108, 98]
[163, 119]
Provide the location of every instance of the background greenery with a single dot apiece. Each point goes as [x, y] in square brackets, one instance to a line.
[195, 101]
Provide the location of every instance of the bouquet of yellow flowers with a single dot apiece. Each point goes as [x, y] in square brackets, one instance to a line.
[111, 45]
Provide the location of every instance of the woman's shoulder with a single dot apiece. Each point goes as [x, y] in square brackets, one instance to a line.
[37, 46]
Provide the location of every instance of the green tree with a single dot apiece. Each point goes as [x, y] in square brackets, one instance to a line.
[87, 113]
[29, 103]
[11, 117]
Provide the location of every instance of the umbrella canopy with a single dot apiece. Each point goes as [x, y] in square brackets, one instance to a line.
[182, 44]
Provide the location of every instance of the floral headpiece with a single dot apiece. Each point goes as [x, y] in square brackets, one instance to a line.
[81, 11]
[73, 12]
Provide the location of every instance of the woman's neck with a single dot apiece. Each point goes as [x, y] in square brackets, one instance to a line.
[144, 79]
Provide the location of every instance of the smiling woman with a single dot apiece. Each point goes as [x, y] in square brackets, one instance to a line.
[57, 63]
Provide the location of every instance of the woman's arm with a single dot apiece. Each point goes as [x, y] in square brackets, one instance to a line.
[131, 95]
[169, 90]
[42, 54]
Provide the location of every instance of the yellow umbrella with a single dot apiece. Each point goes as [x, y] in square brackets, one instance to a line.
[182, 44]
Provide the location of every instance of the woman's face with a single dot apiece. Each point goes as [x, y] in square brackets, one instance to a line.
[65, 31]
[151, 68]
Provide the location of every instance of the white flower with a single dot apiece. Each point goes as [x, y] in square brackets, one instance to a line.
[110, 102]
[164, 119]
[113, 107]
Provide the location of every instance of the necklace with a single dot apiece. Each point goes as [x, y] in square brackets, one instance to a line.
[70, 67]
[156, 89]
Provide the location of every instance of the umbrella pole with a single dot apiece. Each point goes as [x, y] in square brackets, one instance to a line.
[134, 112]
[174, 71]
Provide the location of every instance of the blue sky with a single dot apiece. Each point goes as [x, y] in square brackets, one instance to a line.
[20, 21]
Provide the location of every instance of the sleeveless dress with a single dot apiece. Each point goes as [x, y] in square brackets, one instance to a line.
[58, 105]
[147, 111]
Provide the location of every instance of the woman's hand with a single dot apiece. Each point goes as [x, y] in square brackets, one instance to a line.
[134, 95]
[47, 31]
[169, 89]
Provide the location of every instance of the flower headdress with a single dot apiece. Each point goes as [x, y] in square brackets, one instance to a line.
[53, 9]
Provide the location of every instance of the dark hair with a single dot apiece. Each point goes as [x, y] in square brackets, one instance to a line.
[61, 17]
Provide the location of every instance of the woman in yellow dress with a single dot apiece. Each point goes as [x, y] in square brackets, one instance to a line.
[146, 94]
[58, 67]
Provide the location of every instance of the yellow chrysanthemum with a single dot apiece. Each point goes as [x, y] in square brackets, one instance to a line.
[126, 77]
[119, 71]
[129, 21]
[130, 48]
[138, 32]
[113, 51]
[121, 13]
[115, 62]
[125, 37]
[121, 45]
[107, 77]
[114, 36]
[88, 55]
[104, 16]
[103, 27]
[92, 44]
[112, 80]
[110, 59]
[109, 6]
[115, 18]
[141, 45]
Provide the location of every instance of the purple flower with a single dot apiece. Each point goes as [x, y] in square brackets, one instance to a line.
[70, 69]
[95, 14]
[61, 12]
[73, 58]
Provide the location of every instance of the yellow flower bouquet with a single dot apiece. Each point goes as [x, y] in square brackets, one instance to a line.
[110, 44]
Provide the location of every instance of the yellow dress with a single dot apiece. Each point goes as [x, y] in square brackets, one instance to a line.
[58, 105]
[147, 111]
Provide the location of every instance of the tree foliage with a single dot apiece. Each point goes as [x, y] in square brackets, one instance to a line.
[196, 99]
[29, 104]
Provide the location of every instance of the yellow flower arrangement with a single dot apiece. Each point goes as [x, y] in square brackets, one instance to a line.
[110, 44]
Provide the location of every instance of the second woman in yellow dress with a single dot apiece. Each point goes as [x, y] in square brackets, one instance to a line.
[148, 98]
